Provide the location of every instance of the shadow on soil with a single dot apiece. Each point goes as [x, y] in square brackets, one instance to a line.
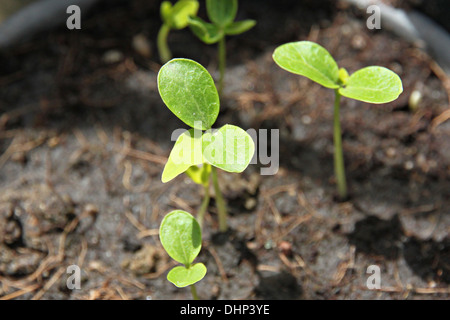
[428, 259]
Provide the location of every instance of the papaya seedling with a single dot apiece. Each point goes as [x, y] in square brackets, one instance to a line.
[221, 13]
[174, 17]
[372, 84]
[188, 90]
[181, 236]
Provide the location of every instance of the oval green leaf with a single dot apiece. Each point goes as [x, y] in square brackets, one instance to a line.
[181, 236]
[308, 59]
[239, 27]
[230, 148]
[186, 152]
[188, 90]
[373, 84]
[181, 12]
[206, 32]
[183, 277]
[221, 12]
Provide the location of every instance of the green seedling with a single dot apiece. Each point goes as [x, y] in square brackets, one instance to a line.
[188, 90]
[174, 17]
[181, 236]
[372, 84]
[221, 13]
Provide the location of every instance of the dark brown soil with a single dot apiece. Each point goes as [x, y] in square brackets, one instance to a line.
[83, 142]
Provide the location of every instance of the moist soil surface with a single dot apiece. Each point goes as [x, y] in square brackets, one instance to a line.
[84, 137]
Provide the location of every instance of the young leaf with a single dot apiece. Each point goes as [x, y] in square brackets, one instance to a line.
[239, 27]
[308, 59]
[183, 277]
[205, 31]
[221, 12]
[374, 85]
[188, 90]
[181, 12]
[166, 11]
[181, 236]
[199, 174]
[186, 152]
[230, 148]
[343, 76]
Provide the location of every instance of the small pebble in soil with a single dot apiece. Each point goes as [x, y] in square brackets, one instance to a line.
[142, 45]
[409, 165]
[112, 56]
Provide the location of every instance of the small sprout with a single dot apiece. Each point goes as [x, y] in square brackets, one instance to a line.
[371, 84]
[181, 236]
[174, 17]
[222, 14]
[189, 92]
[343, 76]
[199, 174]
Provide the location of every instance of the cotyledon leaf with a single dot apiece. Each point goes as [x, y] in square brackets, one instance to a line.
[188, 90]
[373, 84]
[205, 31]
[230, 148]
[308, 59]
[181, 11]
[239, 27]
[183, 277]
[186, 152]
[221, 12]
[181, 236]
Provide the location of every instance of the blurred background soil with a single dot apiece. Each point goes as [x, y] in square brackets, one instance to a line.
[84, 137]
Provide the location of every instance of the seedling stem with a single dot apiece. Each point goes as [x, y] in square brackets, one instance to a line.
[163, 47]
[222, 63]
[194, 292]
[203, 206]
[220, 202]
[338, 153]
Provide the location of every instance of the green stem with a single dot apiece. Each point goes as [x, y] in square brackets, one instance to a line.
[339, 168]
[220, 202]
[203, 206]
[222, 63]
[163, 47]
[194, 292]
